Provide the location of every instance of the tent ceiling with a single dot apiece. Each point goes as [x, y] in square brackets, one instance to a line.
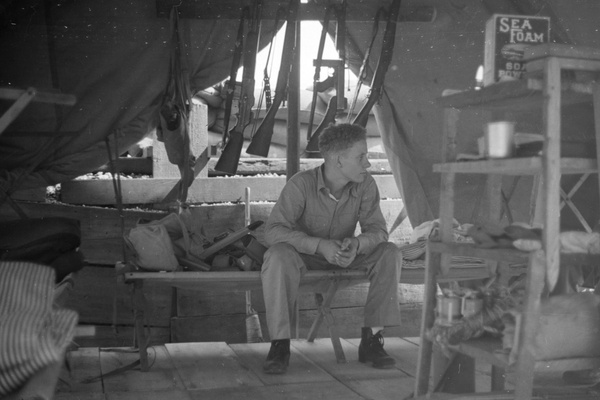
[314, 10]
[113, 55]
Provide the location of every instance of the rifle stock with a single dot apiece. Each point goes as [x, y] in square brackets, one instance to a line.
[387, 51]
[312, 148]
[317, 75]
[235, 65]
[261, 141]
[230, 157]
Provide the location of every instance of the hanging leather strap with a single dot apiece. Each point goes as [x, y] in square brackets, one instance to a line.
[266, 79]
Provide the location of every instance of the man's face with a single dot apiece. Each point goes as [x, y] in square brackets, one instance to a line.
[354, 162]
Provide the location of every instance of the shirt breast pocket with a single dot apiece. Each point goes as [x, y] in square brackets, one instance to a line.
[346, 223]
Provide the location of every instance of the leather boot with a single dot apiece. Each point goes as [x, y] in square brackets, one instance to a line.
[371, 350]
[278, 358]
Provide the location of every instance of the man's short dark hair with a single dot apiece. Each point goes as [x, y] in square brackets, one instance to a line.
[340, 137]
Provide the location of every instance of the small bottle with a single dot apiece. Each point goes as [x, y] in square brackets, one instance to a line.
[479, 78]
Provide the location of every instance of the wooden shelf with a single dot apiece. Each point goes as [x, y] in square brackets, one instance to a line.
[471, 250]
[509, 255]
[486, 349]
[544, 93]
[516, 166]
[519, 95]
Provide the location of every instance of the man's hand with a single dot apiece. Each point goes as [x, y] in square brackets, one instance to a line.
[347, 252]
[329, 250]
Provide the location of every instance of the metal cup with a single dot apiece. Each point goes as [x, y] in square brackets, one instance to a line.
[499, 139]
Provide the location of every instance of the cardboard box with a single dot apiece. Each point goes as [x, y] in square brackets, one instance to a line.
[506, 37]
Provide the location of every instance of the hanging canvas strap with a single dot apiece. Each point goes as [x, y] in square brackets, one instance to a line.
[266, 79]
[174, 112]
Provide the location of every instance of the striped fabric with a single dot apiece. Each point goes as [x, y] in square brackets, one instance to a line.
[414, 251]
[33, 333]
[456, 262]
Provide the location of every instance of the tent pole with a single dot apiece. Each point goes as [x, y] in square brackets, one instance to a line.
[293, 123]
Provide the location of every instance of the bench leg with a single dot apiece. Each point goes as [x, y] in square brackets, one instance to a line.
[139, 307]
[324, 313]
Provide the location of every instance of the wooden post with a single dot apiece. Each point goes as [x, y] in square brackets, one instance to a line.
[293, 123]
[596, 100]
[551, 167]
[432, 262]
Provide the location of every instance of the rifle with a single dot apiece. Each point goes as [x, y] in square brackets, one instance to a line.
[235, 65]
[230, 157]
[336, 103]
[312, 147]
[229, 239]
[362, 73]
[261, 141]
[387, 51]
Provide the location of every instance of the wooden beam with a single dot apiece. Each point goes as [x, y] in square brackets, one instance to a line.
[247, 166]
[232, 9]
[101, 236]
[203, 190]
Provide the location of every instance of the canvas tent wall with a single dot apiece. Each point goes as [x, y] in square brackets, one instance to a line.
[114, 57]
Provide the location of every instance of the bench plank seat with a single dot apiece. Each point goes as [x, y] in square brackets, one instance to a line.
[323, 283]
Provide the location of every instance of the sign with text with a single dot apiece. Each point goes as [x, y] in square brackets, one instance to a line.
[506, 37]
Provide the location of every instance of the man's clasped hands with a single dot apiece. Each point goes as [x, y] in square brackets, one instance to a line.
[339, 252]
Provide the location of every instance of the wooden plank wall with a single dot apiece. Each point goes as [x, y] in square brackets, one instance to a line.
[101, 300]
[105, 303]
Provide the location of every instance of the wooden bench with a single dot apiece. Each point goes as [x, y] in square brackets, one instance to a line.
[324, 284]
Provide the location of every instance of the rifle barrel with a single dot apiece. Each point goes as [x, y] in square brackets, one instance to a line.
[261, 140]
[228, 162]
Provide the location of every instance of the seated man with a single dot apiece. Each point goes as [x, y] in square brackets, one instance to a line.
[312, 226]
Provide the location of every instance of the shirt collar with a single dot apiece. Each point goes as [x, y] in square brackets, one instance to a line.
[353, 187]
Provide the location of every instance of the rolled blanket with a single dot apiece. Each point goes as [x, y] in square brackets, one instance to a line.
[33, 332]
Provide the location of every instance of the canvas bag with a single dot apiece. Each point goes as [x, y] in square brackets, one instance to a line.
[184, 242]
[568, 327]
[152, 247]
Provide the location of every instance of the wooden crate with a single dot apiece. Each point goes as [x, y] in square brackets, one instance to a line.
[506, 37]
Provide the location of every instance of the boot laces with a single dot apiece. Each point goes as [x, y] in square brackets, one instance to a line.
[377, 343]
